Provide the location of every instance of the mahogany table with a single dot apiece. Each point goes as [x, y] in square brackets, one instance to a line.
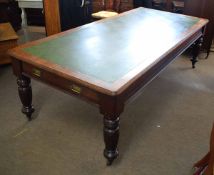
[108, 61]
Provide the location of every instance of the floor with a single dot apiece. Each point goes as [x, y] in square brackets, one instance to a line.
[31, 33]
[163, 132]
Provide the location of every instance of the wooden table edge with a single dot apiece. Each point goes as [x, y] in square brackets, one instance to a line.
[112, 89]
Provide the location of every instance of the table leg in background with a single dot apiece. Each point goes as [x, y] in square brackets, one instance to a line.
[196, 50]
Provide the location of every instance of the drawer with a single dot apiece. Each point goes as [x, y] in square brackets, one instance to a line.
[59, 82]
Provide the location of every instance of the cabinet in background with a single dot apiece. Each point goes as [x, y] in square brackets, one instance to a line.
[204, 9]
[126, 5]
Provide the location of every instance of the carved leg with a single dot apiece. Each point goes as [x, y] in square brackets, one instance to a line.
[111, 136]
[208, 53]
[25, 94]
[196, 50]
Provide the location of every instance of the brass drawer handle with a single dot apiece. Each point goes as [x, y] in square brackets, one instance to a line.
[37, 72]
[76, 89]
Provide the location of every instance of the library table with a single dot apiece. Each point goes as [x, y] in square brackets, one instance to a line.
[108, 61]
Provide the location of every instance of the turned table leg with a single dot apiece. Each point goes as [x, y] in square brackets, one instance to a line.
[196, 50]
[25, 94]
[111, 136]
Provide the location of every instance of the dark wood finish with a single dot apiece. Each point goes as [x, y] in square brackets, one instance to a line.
[159, 4]
[97, 5]
[8, 40]
[195, 7]
[112, 5]
[208, 13]
[52, 17]
[111, 136]
[203, 9]
[124, 5]
[166, 5]
[63, 84]
[25, 94]
[178, 6]
[196, 50]
[208, 160]
[24, 89]
[111, 108]
[4, 47]
[109, 95]
[169, 5]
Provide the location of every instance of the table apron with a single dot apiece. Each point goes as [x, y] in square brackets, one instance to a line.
[76, 89]
[59, 82]
[130, 93]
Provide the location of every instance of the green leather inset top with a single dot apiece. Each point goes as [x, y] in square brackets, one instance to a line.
[108, 50]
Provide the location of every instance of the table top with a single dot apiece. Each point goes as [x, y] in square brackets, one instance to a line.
[109, 54]
[7, 32]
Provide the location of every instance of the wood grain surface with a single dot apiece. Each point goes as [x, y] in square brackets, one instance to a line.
[7, 32]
